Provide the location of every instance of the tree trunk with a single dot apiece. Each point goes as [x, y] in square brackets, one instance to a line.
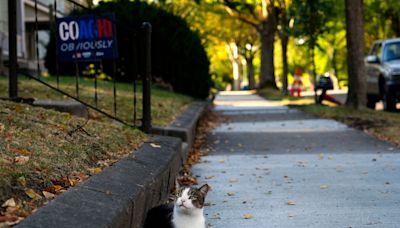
[356, 96]
[284, 43]
[1, 62]
[396, 25]
[250, 72]
[334, 63]
[314, 72]
[235, 61]
[267, 36]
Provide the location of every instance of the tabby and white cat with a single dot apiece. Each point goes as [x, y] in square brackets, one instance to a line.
[185, 212]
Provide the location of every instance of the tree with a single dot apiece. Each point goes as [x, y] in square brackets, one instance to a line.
[356, 97]
[178, 56]
[284, 32]
[248, 49]
[310, 18]
[217, 28]
[262, 16]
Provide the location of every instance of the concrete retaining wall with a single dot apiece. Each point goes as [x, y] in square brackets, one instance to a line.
[121, 195]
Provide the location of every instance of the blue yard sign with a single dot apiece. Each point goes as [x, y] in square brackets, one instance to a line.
[86, 38]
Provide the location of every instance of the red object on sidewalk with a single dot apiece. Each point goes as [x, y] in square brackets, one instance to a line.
[297, 83]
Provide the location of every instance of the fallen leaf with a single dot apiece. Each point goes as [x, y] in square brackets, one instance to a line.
[216, 216]
[247, 216]
[48, 195]
[57, 188]
[230, 193]
[209, 177]
[222, 161]
[32, 194]
[233, 180]
[291, 202]
[9, 203]
[18, 108]
[20, 160]
[323, 186]
[291, 216]
[8, 218]
[321, 156]
[94, 170]
[22, 180]
[21, 151]
[339, 168]
[155, 145]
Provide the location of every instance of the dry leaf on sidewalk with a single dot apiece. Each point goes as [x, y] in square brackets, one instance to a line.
[291, 202]
[247, 216]
[323, 186]
[155, 145]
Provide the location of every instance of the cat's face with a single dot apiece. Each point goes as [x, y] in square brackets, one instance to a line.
[189, 198]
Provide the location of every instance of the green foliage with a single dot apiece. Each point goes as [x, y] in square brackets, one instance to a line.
[310, 18]
[178, 56]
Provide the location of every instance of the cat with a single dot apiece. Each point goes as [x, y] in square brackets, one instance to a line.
[185, 212]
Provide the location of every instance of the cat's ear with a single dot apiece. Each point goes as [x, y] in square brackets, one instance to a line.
[204, 189]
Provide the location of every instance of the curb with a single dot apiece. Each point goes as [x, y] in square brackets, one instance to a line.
[121, 195]
[184, 126]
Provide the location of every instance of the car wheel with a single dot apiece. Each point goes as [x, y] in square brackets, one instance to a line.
[389, 102]
[371, 102]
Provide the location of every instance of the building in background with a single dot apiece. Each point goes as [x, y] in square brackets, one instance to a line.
[27, 15]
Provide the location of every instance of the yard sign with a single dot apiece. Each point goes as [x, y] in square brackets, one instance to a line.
[86, 38]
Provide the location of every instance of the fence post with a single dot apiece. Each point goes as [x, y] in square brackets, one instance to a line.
[12, 49]
[146, 121]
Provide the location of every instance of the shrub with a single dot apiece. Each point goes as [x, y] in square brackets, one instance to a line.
[178, 56]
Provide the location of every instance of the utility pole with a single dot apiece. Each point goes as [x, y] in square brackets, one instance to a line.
[12, 49]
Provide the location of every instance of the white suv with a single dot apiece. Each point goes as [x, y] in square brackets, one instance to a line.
[383, 73]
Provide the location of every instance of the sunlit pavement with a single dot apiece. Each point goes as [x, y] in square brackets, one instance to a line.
[272, 166]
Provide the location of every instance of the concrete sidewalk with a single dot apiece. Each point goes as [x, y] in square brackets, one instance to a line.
[281, 168]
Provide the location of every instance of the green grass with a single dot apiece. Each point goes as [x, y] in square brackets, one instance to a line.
[383, 125]
[45, 152]
[165, 105]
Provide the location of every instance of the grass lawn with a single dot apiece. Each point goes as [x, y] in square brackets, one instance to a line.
[164, 107]
[44, 152]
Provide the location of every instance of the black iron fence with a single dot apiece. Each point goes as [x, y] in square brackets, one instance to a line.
[93, 60]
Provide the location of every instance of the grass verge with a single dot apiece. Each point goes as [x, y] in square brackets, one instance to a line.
[44, 152]
[383, 125]
[165, 105]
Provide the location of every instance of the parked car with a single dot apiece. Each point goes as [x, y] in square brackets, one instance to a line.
[383, 73]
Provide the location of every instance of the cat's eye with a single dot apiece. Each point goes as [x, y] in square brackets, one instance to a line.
[193, 198]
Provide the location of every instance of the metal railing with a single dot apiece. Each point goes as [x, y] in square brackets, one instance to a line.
[142, 73]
